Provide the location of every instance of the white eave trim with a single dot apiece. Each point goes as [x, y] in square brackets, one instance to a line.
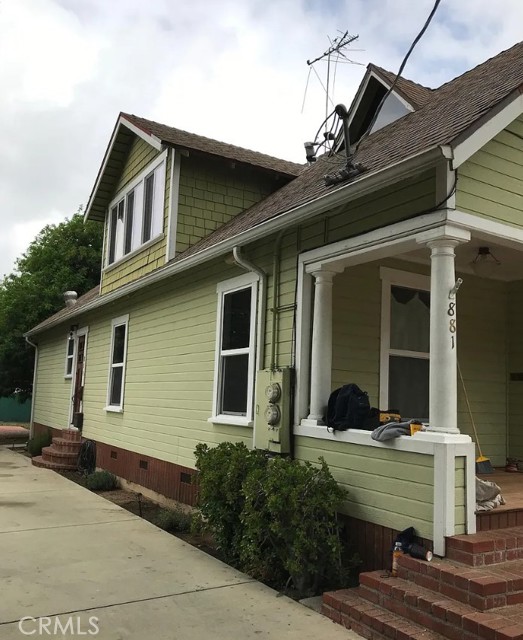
[488, 130]
[367, 183]
[121, 122]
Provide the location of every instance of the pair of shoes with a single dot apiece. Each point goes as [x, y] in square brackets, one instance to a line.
[512, 465]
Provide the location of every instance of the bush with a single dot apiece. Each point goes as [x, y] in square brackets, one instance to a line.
[290, 525]
[223, 470]
[174, 520]
[101, 481]
[275, 519]
[38, 442]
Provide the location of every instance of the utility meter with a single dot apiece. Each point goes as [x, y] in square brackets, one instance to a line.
[272, 414]
[273, 392]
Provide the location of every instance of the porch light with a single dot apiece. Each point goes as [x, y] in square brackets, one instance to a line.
[485, 263]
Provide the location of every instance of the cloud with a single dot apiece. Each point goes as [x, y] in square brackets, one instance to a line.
[234, 70]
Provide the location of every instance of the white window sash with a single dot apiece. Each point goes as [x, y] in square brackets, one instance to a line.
[117, 322]
[158, 168]
[231, 286]
[69, 358]
[390, 278]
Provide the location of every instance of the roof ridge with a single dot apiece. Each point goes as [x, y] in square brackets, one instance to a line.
[405, 79]
[211, 140]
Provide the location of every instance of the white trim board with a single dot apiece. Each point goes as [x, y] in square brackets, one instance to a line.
[121, 122]
[174, 201]
[492, 125]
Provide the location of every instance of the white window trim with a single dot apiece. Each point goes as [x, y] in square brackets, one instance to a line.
[134, 252]
[122, 194]
[115, 322]
[71, 337]
[390, 277]
[229, 286]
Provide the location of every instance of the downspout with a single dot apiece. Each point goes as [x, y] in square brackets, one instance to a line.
[242, 262]
[33, 393]
[275, 294]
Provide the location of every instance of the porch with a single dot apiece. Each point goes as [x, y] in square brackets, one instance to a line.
[346, 332]
[511, 513]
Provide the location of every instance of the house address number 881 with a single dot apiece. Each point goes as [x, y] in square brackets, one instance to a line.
[452, 323]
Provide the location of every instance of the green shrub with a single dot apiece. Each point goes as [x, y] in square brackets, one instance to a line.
[290, 528]
[101, 481]
[222, 472]
[174, 520]
[38, 442]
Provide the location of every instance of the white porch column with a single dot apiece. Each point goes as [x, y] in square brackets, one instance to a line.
[321, 350]
[443, 337]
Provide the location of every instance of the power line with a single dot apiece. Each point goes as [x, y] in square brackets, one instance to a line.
[398, 75]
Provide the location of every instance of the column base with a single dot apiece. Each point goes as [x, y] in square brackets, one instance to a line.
[312, 422]
[450, 430]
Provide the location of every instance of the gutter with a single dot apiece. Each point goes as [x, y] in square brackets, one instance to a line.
[342, 195]
[33, 392]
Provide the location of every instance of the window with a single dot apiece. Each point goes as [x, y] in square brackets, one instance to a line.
[136, 214]
[235, 346]
[69, 357]
[117, 360]
[405, 344]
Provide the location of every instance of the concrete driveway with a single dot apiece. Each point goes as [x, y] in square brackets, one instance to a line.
[72, 563]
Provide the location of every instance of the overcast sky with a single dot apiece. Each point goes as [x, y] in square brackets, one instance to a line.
[234, 70]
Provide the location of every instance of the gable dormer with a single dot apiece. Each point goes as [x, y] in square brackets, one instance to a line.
[406, 97]
[161, 190]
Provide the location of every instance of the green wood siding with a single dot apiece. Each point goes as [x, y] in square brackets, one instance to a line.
[53, 390]
[213, 192]
[482, 352]
[491, 182]
[391, 488]
[140, 155]
[515, 366]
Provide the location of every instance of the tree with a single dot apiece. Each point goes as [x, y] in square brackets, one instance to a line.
[62, 257]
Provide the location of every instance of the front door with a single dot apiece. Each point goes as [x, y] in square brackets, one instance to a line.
[78, 382]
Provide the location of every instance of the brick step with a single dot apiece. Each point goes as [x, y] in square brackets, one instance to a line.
[72, 434]
[483, 588]
[38, 461]
[422, 607]
[370, 620]
[67, 446]
[50, 454]
[487, 547]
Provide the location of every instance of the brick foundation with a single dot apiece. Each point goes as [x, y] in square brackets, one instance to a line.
[166, 478]
[372, 542]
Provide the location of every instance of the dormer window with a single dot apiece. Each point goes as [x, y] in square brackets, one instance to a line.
[136, 214]
[366, 103]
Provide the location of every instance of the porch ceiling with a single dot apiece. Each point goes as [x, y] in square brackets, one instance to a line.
[511, 267]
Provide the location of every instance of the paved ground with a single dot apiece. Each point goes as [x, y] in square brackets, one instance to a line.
[72, 556]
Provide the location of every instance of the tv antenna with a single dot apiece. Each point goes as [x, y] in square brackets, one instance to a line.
[334, 52]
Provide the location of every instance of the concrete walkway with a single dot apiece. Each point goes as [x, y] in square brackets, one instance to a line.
[72, 556]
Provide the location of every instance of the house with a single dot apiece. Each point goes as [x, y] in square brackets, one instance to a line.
[239, 290]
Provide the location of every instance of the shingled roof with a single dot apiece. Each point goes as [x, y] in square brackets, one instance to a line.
[453, 110]
[454, 107]
[415, 94]
[185, 140]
